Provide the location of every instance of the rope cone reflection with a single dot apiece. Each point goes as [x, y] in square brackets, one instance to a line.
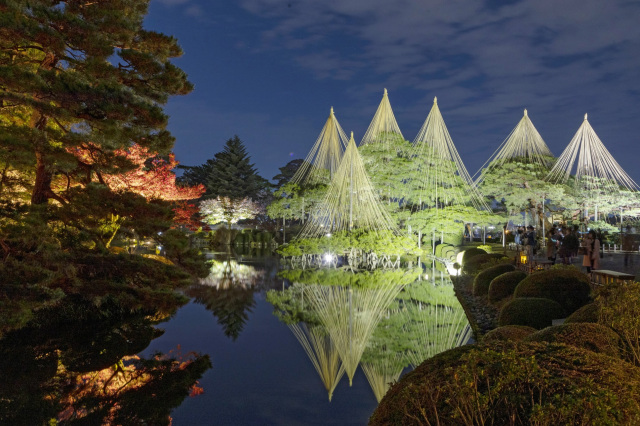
[322, 353]
[350, 316]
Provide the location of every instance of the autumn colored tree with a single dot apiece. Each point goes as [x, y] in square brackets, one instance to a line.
[73, 71]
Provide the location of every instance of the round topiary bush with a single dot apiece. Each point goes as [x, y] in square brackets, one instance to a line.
[482, 261]
[471, 252]
[510, 333]
[593, 337]
[530, 311]
[495, 381]
[567, 287]
[504, 285]
[588, 313]
[483, 279]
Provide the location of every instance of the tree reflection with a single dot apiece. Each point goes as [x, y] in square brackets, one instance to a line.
[385, 322]
[75, 363]
[228, 292]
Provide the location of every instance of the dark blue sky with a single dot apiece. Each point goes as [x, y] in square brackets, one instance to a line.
[269, 70]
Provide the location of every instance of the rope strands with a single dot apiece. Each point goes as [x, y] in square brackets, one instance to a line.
[439, 328]
[383, 128]
[444, 177]
[350, 202]
[324, 158]
[382, 373]
[524, 142]
[322, 353]
[596, 169]
[350, 316]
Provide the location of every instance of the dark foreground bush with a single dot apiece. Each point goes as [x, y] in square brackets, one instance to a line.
[509, 333]
[482, 261]
[504, 285]
[569, 288]
[588, 313]
[593, 337]
[491, 383]
[483, 279]
[532, 312]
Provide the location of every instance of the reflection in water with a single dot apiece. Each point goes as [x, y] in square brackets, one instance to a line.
[322, 352]
[76, 363]
[350, 316]
[393, 322]
[228, 292]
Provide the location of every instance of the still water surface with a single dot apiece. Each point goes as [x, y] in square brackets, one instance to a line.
[261, 374]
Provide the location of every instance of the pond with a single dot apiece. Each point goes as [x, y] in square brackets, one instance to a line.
[263, 365]
[286, 347]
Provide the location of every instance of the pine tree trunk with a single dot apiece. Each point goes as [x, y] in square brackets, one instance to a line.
[42, 186]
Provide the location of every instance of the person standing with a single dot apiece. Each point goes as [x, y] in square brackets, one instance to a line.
[529, 242]
[552, 245]
[591, 258]
[627, 246]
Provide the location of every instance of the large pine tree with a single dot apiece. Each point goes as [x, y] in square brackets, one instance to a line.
[74, 72]
[229, 174]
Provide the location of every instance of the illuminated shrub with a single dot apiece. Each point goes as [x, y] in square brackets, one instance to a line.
[483, 279]
[567, 287]
[482, 261]
[469, 253]
[512, 333]
[504, 285]
[588, 313]
[531, 311]
[593, 337]
[495, 381]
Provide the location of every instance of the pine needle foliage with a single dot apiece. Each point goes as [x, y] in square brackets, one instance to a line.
[524, 143]
[350, 202]
[325, 155]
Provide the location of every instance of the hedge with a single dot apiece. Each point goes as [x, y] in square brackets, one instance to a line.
[512, 333]
[567, 287]
[483, 279]
[504, 285]
[531, 311]
[593, 337]
[495, 382]
[588, 313]
[482, 261]
[469, 253]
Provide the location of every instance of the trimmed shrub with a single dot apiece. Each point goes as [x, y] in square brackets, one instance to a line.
[469, 253]
[569, 288]
[483, 279]
[512, 333]
[504, 285]
[481, 261]
[531, 311]
[588, 313]
[593, 337]
[490, 383]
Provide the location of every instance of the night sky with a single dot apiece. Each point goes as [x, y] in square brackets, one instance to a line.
[269, 71]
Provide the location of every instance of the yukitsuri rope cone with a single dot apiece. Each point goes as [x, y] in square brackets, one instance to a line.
[350, 316]
[322, 352]
[523, 143]
[350, 202]
[596, 168]
[440, 165]
[383, 128]
[324, 158]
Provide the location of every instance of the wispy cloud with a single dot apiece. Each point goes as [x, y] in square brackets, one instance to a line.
[481, 59]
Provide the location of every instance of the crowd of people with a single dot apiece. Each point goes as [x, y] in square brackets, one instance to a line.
[563, 242]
